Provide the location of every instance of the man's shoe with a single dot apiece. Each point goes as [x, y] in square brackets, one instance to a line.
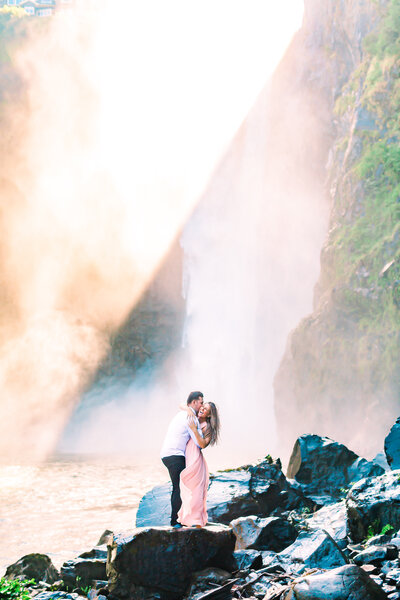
[177, 526]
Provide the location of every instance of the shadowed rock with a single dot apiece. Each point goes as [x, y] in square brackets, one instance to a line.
[392, 446]
[161, 561]
[345, 583]
[33, 566]
[373, 502]
[88, 567]
[324, 467]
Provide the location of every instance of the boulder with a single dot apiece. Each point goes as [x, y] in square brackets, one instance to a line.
[88, 567]
[345, 583]
[160, 561]
[373, 502]
[247, 559]
[206, 580]
[375, 555]
[33, 566]
[313, 550]
[251, 490]
[333, 519]
[324, 467]
[392, 446]
[271, 533]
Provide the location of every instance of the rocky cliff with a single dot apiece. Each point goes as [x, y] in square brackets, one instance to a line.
[340, 374]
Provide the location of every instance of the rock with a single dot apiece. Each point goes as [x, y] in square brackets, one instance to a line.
[373, 502]
[247, 559]
[252, 490]
[333, 519]
[59, 596]
[345, 583]
[272, 533]
[393, 576]
[375, 555]
[381, 460]
[323, 466]
[392, 446]
[313, 550]
[87, 568]
[256, 586]
[161, 561]
[33, 566]
[204, 581]
[105, 537]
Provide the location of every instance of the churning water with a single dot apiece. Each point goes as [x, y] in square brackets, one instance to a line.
[61, 507]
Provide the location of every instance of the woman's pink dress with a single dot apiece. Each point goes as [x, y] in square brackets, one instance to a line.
[194, 485]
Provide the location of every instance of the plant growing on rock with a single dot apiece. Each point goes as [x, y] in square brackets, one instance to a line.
[14, 589]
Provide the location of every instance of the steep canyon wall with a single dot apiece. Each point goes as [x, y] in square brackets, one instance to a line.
[340, 373]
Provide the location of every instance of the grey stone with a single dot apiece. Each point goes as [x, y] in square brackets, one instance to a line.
[204, 581]
[345, 583]
[162, 560]
[322, 466]
[86, 568]
[271, 533]
[392, 446]
[372, 555]
[333, 519]
[374, 501]
[33, 566]
[313, 550]
[247, 559]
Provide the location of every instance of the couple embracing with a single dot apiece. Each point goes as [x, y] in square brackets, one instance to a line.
[195, 427]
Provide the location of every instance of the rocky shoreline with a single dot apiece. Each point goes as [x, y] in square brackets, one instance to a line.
[329, 530]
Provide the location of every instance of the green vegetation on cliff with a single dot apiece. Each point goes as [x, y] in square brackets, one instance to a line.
[342, 361]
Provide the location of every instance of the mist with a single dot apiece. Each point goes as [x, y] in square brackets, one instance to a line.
[123, 115]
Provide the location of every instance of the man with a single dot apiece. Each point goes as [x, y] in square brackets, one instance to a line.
[173, 450]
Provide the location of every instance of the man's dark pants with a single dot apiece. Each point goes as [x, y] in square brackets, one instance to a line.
[175, 466]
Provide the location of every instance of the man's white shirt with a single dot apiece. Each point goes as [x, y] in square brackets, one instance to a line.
[178, 434]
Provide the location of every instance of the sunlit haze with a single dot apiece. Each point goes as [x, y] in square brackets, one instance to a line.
[130, 106]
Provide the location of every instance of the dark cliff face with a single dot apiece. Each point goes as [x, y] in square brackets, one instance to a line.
[339, 375]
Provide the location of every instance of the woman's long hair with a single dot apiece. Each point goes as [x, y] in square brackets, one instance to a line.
[213, 424]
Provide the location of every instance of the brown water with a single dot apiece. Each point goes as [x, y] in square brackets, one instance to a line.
[61, 508]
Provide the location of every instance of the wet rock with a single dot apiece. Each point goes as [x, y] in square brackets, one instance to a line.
[59, 596]
[375, 555]
[313, 550]
[272, 533]
[392, 446]
[393, 576]
[247, 559]
[161, 561]
[343, 583]
[33, 566]
[373, 502]
[322, 466]
[333, 519]
[87, 568]
[206, 580]
[251, 490]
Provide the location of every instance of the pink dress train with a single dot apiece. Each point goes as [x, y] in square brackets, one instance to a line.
[194, 485]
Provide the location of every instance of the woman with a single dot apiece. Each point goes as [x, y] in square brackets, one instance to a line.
[194, 478]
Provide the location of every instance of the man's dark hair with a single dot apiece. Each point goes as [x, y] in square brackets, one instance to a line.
[193, 396]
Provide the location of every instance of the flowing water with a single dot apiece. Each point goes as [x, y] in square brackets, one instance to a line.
[61, 507]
